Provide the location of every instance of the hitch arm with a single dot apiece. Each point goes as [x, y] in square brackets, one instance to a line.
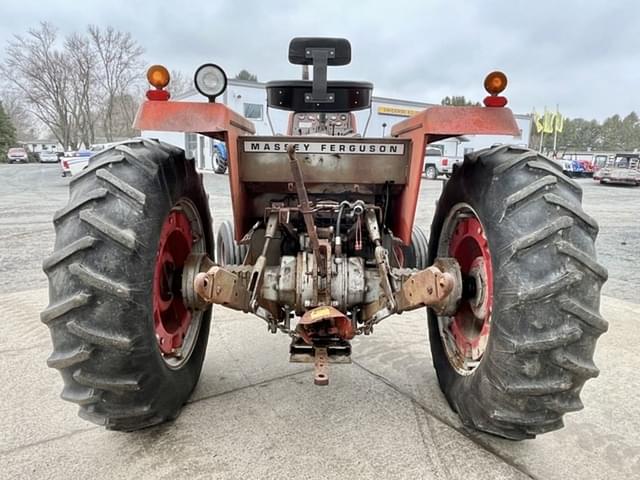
[305, 208]
[223, 287]
[426, 287]
[438, 287]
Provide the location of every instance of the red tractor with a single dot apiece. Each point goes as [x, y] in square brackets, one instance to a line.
[323, 247]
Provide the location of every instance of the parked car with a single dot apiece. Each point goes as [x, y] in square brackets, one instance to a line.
[64, 163]
[624, 168]
[48, 157]
[573, 168]
[577, 164]
[73, 162]
[437, 164]
[17, 154]
[79, 161]
[599, 161]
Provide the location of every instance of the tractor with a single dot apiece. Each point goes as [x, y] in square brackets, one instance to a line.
[323, 247]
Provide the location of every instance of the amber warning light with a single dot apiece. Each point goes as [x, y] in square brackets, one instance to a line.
[158, 76]
[494, 84]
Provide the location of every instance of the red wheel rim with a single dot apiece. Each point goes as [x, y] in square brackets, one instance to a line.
[170, 315]
[467, 333]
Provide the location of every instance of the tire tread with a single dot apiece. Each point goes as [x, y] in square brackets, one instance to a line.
[544, 331]
[108, 362]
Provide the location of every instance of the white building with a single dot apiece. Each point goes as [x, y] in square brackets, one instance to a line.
[249, 99]
[38, 146]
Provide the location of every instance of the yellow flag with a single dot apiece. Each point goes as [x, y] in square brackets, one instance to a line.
[548, 121]
[537, 120]
[559, 122]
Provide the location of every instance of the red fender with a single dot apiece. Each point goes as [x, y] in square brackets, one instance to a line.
[431, 125]
[213, 120]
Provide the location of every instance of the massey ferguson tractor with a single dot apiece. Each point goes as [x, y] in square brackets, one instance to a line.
[323, 248]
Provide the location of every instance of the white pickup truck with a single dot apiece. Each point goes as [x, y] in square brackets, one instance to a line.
[435, 163]
[74, 162]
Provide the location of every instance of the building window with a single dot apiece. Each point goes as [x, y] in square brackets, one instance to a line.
[190, 144]
[253, 111]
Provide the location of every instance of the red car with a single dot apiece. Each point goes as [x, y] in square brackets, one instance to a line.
[16, 155]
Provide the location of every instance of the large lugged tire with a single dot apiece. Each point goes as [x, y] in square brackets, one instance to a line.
[414, 255]
[129, 351]
[219, 164]
[228, 251]
[514, 357]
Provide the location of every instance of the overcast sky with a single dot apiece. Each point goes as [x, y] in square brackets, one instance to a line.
[582, 55]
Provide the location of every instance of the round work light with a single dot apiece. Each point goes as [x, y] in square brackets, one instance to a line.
[210, 80]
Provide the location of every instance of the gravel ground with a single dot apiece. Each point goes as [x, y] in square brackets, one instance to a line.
[30, 194]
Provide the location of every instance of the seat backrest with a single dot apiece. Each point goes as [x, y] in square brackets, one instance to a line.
[301, 50]
[319, 95]
[295, 96]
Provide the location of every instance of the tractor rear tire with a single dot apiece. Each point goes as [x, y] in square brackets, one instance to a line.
[134, 204]
[228, 251]
[414, 255]
[543, 319]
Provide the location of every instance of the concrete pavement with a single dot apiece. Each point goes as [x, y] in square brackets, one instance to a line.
[254, 415]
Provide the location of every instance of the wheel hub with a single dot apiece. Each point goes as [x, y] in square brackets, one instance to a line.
[465, 334]
[479, 300]
[171, 317]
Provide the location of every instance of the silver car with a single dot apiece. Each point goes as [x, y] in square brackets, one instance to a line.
[48, 157]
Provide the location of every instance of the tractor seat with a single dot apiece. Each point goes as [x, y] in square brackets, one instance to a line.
[295, 96]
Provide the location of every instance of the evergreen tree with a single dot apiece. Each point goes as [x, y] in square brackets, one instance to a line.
[458, 101]
[631, 131]
[7, 134]
[613, 134]
[246, 75]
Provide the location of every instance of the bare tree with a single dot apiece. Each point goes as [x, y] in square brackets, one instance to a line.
[120, 67]
[179, 84]
[82, 104]
[83, 87]
[39, 71]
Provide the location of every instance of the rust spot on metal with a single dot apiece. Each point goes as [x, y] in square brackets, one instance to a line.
[323, 321]
[430, 286]
[221, 286]
[321, 374]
